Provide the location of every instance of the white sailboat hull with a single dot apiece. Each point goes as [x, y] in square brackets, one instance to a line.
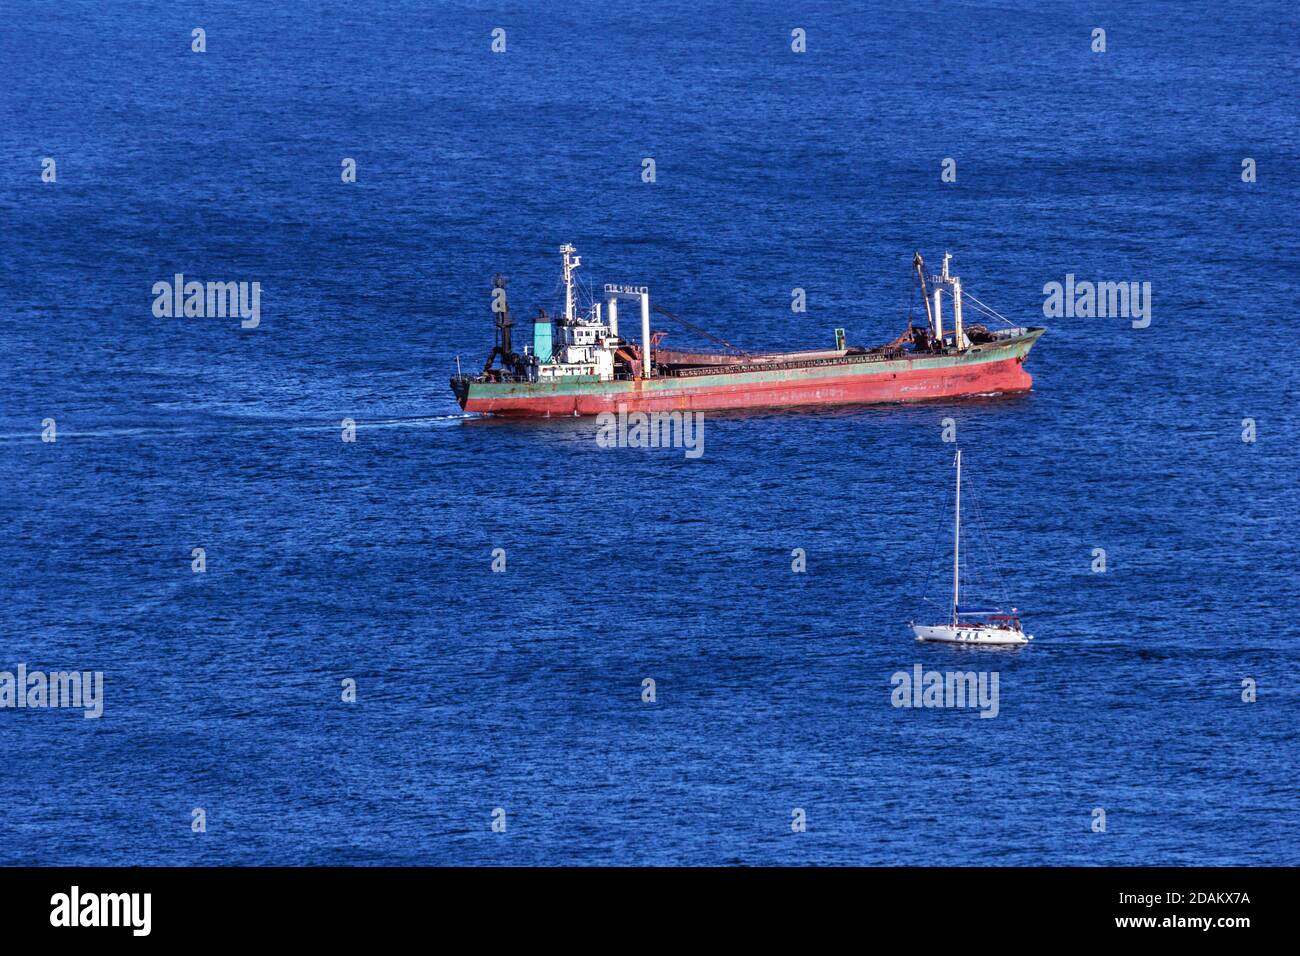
[969, 634]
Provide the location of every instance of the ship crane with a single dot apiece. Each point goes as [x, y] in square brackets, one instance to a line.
[919, 265]
[501, 311]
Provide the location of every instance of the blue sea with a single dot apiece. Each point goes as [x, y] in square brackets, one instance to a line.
[517, 695]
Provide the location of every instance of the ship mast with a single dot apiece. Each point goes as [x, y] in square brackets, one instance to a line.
[953, 283]
[571, 262]
[956, 546]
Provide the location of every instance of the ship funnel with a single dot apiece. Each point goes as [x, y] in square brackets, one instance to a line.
[542, 338]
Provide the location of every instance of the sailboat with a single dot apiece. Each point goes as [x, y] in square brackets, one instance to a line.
[971, 624]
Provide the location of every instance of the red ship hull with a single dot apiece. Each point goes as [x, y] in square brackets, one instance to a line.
[997, 369]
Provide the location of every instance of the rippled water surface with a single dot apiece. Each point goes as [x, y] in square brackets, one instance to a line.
[371, 561]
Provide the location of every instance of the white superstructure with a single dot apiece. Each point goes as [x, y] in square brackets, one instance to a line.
[586, 342]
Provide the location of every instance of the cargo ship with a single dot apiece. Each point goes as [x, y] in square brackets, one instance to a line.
[579, 362]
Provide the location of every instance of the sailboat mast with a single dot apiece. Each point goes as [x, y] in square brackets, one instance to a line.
[956, 546]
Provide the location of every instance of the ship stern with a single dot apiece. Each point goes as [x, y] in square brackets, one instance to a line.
[460, 388]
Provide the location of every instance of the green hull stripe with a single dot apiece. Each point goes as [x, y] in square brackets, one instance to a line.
[1000, 353]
